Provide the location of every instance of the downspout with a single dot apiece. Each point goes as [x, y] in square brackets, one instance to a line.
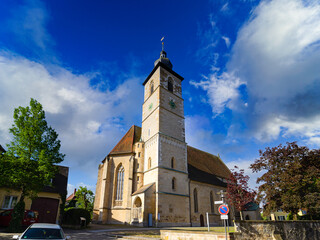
[190, 204]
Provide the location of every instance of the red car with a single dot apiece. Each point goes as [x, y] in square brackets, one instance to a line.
[30, 217]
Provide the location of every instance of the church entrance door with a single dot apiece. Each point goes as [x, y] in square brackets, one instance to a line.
[137, 210]
[201, 221]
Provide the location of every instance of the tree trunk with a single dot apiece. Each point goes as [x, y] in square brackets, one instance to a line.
[241, 216]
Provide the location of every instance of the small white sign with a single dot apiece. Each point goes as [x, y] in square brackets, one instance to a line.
[223, 216]
[218, 202]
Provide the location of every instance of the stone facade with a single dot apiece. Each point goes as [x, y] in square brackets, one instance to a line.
[280, 230]
[146, 179]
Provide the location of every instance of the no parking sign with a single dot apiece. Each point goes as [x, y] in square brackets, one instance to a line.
[223, 209]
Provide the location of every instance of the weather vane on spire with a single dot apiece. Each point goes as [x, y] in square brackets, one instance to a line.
[162, 43]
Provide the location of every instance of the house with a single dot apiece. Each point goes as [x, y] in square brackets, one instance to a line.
[48, 201]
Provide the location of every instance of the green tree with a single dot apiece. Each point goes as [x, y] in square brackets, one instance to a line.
[85, 198]
[29, 163]
[291, 178]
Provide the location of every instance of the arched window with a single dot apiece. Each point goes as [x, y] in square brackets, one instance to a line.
[149, 163]
[172, 163]
[120, 179]
[170, 84]
[211, 202]
[151, 87]
[195, 198]
[173, 184]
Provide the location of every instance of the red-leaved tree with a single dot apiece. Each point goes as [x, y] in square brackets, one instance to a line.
[238, 191]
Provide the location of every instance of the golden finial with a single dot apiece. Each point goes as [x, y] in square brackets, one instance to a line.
[162, 43]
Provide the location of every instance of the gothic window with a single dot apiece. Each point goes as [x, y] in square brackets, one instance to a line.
[211, 202]
[120, 179]
[170, 84]
[172, 162]
[173, 184]
[195, 199]
[151, 87]
[149, 163]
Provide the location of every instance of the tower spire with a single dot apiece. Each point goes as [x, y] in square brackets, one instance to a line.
[163, 56]
[162, 43]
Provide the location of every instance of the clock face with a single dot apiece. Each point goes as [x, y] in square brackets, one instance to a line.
[172, 104]
[150, 106]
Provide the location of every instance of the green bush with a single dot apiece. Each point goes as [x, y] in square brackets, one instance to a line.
[17, 217]
[72, 216]
[290, 216]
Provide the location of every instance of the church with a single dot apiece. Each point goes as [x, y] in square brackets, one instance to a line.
[152, 177]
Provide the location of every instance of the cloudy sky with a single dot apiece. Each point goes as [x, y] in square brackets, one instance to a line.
[251, 69]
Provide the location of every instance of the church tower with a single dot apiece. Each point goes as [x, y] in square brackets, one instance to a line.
[165, 149]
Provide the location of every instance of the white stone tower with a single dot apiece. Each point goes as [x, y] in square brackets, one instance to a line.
[165, 155]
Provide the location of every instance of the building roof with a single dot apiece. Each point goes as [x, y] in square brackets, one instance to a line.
[143, 189]
[200, 176]
[160, 64]
[72, 196]
[2, 149]
[251, 206]
[125, 145]
[207, 162]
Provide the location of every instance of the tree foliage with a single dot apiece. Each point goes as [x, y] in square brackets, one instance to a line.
[291, 178]
[238, 191]
[85, 198]
[28, 164]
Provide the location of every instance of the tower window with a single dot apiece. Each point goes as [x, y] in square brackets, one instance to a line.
[170, 85]
[173, 184]
[172, 163]
[137, 165]
[138, 154]
[151, 87]
[195, 200]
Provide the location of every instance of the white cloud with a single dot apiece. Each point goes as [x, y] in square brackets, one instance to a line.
[72, 187]
[86, 119]
[245, 165]
[222, 90]
[226, 40]
[276, 54]
[28, 22]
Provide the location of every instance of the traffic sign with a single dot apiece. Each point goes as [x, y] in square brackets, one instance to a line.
[223, 209]
[218, 202]
[223, 217]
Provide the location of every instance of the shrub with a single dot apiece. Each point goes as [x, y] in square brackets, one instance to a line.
[72, 216]
[17, 217]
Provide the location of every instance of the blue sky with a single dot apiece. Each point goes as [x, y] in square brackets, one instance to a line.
[251, 69]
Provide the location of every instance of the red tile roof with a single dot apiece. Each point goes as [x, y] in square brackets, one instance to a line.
[125, 145]
[207, 162]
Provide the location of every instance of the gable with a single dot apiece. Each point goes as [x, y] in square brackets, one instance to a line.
[125, 145]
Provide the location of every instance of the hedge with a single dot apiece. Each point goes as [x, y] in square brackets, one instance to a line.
[72, 216]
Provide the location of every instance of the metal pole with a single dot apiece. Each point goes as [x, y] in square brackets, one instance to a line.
[208, 221]
[228, 224]
[225, 229]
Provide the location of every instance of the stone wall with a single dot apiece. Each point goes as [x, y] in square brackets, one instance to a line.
[191, 235]
[280, 230]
